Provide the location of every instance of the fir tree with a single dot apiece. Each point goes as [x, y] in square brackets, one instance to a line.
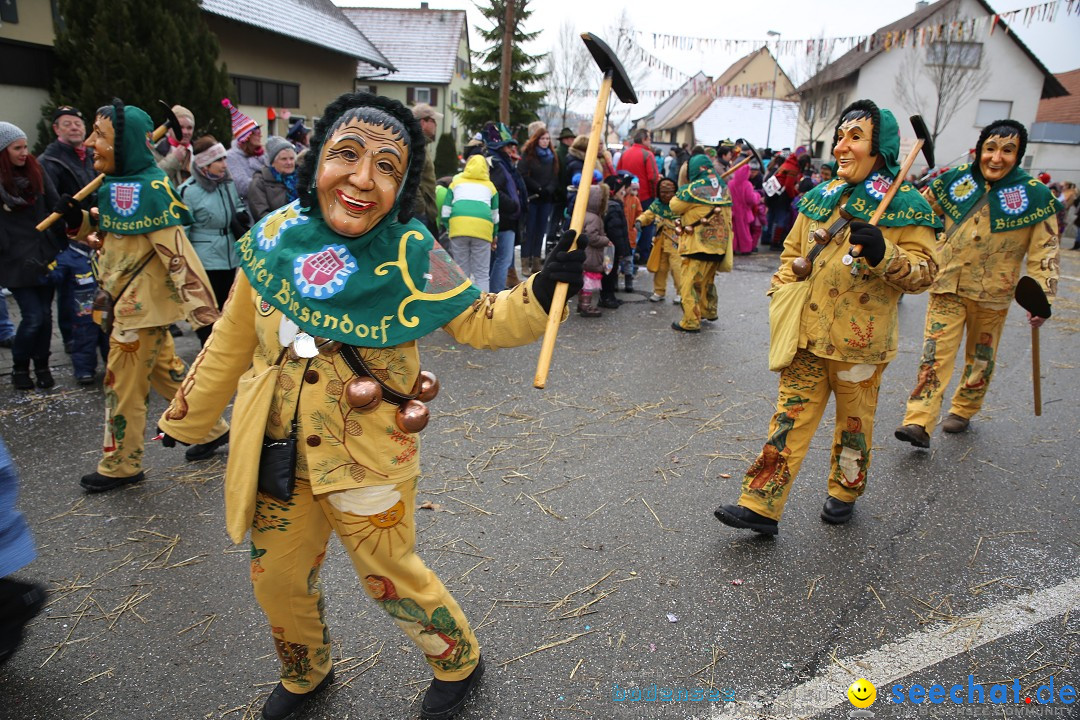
[140, 52]
[446, 158]
[480, 100]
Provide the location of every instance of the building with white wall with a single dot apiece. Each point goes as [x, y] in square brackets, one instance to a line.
[890, 73]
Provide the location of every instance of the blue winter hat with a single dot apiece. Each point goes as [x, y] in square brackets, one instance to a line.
[576, 180]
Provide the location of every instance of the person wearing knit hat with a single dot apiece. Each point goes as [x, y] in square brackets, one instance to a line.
[154, 278]
[245, 155]
[276, 184]
[26, 197]
[995, 213]
[174, 156]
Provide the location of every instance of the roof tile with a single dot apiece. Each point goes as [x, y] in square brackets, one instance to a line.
[1062, 109]
[421, 44]
[317, 22]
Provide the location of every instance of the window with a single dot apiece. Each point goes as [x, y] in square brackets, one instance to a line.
[365, 87]
[416, 95]
[423, 95]
[808, 111]
[991, 110]
[823, 108]
[841, 102]
[267, 93]
[453, 99]
[25, 64]
[9, 12]
[819, 147]
[956, 54]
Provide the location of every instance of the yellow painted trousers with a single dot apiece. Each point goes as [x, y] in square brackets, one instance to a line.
[376, 526]
[698, 291]
[948, 316]
[805, 387]
[669, 260]
[138, 360]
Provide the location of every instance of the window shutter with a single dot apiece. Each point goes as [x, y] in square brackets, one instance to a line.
[434, 97]
[410, 96]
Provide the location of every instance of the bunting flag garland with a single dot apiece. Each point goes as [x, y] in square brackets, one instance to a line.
[966, 29]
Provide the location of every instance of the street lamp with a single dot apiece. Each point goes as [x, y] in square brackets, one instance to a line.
[776, 66]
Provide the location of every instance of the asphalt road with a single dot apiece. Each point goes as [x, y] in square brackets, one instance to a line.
[575, 527]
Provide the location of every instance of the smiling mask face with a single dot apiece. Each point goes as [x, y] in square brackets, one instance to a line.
[361, 169]
[854, 143]
[998, 157]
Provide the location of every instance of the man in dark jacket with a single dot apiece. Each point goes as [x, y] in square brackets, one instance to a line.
[566, 139]
[70, 166]
[641, 162]
[513, 200]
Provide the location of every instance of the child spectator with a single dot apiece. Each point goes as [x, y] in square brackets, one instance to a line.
[594, 251]
[633, 209]
[74, 271]
[471, 212]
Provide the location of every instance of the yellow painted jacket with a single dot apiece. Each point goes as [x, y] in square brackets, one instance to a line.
[665, 229]
[173, 285]
[339, 448]
[711, 234]
[984, 266]
[852, 318]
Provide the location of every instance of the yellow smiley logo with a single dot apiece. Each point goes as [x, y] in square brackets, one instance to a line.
[862, 693]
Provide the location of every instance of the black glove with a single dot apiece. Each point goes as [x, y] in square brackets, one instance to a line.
[168, 440]
[70, 210]
[562, 265]
[870, 239]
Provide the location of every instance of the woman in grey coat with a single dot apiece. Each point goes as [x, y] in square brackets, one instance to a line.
[218, 215]
[273, 186]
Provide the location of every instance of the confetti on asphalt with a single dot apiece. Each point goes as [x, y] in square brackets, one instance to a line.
[671, 618]
[736, 582]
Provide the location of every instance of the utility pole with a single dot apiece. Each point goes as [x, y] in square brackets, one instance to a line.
[772, 99]
[507, 59]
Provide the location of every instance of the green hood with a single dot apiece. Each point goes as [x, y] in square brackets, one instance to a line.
[699, 167]
[138, 198]
[889, 141]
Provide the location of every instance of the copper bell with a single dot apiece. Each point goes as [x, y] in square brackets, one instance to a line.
[429, 386]
[363, 394]
[413, 416]
[801, 267]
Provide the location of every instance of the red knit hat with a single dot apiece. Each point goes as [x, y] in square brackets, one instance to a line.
[242, 125]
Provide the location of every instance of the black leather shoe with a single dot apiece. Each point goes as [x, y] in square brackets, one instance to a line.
[19, 603]
[445, 697]
[676, 326]
[205, 450]
[282, 703]
[737, 516]
[21, 380]
[45, 378]
[836, 511]
[610, 303]
[914, 434]
[96, 482]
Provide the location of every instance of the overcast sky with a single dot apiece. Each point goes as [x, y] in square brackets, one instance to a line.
[1053, 43]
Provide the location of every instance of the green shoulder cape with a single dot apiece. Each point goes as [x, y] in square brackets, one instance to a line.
[384, 288]
[139, 198]
[702, 192]
[1017, 200]
[908, 207]
[662, 210]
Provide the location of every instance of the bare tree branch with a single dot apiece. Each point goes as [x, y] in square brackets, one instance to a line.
[567, 73]
[938, 82]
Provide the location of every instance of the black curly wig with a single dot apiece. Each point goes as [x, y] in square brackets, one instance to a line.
[856, 111]
[382, 111]
[1005, 129]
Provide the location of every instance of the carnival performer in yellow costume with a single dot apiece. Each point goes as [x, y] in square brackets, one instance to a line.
[664, 255]
[319, 341]
[848, 322]
[995, 214]
[704, 209]
[154, 278]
